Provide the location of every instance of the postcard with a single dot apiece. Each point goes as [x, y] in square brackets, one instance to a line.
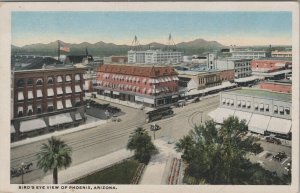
[150, 97]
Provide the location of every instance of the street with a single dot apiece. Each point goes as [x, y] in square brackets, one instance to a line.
[98, 141]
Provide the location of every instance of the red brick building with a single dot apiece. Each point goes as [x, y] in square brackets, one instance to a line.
[46, 99]
[276, 86]
[227, 75]
[150, 85]
[269, 65]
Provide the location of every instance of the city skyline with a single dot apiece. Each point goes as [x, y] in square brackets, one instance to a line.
[227, 28]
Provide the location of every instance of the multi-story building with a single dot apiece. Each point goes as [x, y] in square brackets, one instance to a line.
[154, 57]
[242, 67]
[271, 68]
[198, 82]
[47, 99]
[249, 54]
[115, 59]
[282, 54]
[265, 112]
[148, 85]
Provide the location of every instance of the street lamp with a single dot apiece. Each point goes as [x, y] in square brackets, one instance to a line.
[22, 170]
[201, 115]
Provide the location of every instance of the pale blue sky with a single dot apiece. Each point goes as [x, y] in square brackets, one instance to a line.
[239, 28]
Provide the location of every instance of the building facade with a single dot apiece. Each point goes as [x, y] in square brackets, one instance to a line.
[282, 54]
[47, 99]
[150, 86]
[241, 67]
[265, 112]
[269, 65]
[250, 54]
[154, 57]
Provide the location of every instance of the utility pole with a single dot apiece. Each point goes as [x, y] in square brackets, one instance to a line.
[58, 50]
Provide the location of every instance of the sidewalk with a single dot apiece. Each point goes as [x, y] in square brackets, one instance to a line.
[157, 170]
[75, 172]
[57, 133]
[120, 102]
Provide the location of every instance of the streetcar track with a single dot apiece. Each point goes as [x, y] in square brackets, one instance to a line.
[112, 133]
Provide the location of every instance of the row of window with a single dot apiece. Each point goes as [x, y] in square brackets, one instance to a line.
[50, 107]
[50, 92]
[50, 80]
[257, 106]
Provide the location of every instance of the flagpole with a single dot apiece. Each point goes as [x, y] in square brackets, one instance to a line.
[58, 51]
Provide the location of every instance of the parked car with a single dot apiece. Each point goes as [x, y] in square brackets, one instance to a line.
[154, 127]
[273, 140]
[115, 118]
[279, 156]
[195, 100]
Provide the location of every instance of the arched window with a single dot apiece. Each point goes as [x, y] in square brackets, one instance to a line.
[20, 82]
[39, 81]
[50, 80]
[77, 77]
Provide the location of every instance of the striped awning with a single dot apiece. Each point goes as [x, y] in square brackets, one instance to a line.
[20, 96]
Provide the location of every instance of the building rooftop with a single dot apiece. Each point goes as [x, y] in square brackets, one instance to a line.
[147, 71]
[262, 94]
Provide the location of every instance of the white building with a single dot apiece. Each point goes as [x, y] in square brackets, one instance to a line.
[249, 54]
[242, 67]
[154, 57]
[265, 112]
[282, 54]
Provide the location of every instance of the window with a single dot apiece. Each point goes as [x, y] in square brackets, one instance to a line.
[39, 109]
[239, 103]
[58, 79]
[267, 108]
[20, 83]
[287, 110]
[243, 104]
[39, 81]
[256, 106]
[50, 80]
[281, 111]
[29, 82]
[275, 109]
[248, 104]
[68, 78]
[50, 107]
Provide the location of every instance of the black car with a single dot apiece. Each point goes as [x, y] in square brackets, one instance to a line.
[279, 156]
[273, 140]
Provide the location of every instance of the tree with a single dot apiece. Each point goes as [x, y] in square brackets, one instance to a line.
[140, 142]
[220, 156]
[53, 156]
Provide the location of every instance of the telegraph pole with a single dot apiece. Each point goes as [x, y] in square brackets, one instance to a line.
[58, 50]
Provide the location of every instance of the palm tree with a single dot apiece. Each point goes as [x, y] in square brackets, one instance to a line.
[53, 156]
[140, 142]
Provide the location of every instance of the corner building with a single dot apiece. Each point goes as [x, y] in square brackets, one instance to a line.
[147, 85]
[47, 99]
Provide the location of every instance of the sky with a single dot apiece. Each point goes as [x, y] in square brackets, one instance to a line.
[228, 28]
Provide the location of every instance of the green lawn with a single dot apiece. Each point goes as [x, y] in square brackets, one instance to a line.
[118, 174]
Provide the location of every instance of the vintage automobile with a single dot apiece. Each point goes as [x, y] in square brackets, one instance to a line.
[154, 127]
[279, 156]
[274, 140]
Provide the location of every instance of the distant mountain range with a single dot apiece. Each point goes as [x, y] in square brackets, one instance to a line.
[101, 48]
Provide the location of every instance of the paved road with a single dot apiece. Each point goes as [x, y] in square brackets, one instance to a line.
[95, 142]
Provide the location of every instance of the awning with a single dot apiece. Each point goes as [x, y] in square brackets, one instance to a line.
[281, 126]
[248, 104]
[174, 96]
[243, 103]
[68, 78]
[137, 79]
[275, 108]
[223, 100]
[133, 79]
[107, 91]
[29, 108]
[280, 109]
[116, 93]
[20, 96]
[267, 107]
[227, 101]
[231, 102]
[68, 89]
[60, 119]
[77, 88]
[220, 114]
[59, 90]
[77, 77]
[258, 123]
[59, 105]
[30, 94]
[78, 116]
[30, 125]
[50, 92]
[39, 93]
[144, 80]
[238, 102]
[59, 79]
[20, 109]
[68, 103]
[261, 106]
[243, 115]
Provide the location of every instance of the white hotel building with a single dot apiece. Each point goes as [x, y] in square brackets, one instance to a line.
[154, 57]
